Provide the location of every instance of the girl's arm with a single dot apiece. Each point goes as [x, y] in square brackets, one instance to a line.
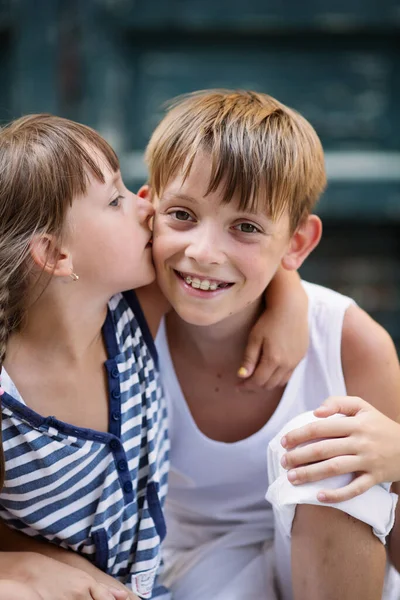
[279, 339]
[30, 576]
[14, 590]
[154, 305]
[366, 443]
[55, 572]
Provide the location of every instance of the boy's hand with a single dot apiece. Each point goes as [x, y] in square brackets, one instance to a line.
[279, 339]
[366, 443]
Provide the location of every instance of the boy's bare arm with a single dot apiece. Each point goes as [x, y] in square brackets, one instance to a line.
[394, 537]
[320, 534]
[335, 556]
[370, 363]
[15, 541]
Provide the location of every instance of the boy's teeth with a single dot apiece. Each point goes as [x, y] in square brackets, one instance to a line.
[196, 283]
[204, 284]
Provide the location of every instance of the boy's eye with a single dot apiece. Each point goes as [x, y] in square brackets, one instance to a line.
[116, 201]
[247, 228]
[181, 215]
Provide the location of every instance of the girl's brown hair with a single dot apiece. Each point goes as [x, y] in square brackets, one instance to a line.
[259, 148]
[45, 162]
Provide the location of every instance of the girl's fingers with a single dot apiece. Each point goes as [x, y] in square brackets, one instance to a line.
[318, 430]
[262, 373]
[346, 405]
[119, 594]
[102, 592]
[274, 379]
[318, 451]
[358, 486]
[323, 470]
[251, 356]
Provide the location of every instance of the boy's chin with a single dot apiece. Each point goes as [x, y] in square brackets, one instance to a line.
[199, 318]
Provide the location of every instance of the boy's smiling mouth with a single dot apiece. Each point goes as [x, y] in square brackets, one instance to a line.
[205, 284]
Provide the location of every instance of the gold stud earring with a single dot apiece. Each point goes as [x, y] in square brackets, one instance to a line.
[74, 276]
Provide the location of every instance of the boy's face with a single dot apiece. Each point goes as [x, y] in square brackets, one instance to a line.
[213, 260]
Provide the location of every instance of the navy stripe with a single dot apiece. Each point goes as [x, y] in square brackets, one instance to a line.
[90, 491]
[134, 303]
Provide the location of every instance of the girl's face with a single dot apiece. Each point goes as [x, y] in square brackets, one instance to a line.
[213, 260]
[108, 236]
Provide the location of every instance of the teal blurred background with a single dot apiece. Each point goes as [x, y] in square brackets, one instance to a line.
[113, 64]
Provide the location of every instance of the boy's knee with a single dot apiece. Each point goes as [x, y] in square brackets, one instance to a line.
[375, 508]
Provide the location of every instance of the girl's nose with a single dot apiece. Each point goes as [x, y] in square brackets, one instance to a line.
[146, 209]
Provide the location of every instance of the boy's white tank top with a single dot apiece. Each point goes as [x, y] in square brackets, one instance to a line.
[218, 489]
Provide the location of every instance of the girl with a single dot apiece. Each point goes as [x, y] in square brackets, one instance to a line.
[93, 477]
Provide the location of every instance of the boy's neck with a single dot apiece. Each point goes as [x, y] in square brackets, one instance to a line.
[219, 345]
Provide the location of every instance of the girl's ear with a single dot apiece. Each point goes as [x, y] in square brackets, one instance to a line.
[49, 257]
[304, 240]
[145, 192]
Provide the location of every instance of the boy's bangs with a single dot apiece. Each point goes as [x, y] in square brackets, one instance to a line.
[238, 176]
[262, 153]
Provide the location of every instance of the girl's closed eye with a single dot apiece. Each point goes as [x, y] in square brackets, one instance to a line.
[116, 202]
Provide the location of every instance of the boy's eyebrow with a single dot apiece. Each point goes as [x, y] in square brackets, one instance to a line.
[179, 196]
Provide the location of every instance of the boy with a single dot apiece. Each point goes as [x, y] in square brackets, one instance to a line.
[234, 177]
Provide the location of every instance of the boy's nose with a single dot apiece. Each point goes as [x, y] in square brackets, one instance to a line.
[205, 249]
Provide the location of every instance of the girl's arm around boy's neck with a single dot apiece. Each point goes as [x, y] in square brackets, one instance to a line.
[154, 305]
[279, 340]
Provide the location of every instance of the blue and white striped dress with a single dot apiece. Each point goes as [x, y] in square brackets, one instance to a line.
[99, 494]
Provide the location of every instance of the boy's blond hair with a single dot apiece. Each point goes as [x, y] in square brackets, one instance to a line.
[259, 148]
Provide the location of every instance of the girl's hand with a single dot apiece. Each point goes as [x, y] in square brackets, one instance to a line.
[49, 579]
[366, 443]
[14, 590]
[279, 339]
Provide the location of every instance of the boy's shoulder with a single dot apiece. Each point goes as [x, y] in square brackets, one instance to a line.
[370, 362]
[367, 355]
[323, 297]
[326, 312]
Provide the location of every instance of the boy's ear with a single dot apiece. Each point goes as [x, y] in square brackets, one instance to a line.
[49, 257]
[303, 241]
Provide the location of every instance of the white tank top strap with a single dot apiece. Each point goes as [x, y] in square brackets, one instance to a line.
[327, 309]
